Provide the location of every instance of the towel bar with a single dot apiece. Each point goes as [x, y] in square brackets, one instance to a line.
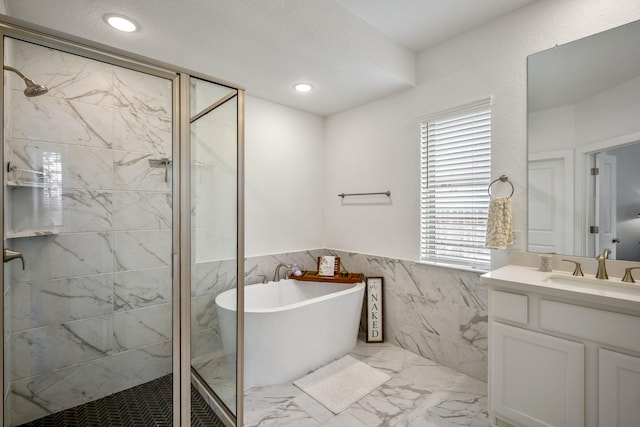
[385, 193]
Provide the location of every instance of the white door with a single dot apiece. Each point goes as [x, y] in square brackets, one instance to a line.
[618, 389]
[547, 202]
[536, 380]
[606, 204]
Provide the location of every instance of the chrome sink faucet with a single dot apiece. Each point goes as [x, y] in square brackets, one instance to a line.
[276, 275]
[602, 267]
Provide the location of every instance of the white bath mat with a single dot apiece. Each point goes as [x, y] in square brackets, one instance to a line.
[340, 384]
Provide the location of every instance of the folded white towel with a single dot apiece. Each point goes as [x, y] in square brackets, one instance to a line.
[499, 223]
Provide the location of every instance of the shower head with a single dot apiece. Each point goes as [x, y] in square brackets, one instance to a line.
[33, 88]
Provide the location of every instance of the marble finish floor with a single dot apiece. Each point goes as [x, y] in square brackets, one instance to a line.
[420, 393]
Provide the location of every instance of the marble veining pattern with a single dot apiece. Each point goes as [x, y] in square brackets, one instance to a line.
[142, 132]
[91, 314]
[420, 393]
[203, 313]
[218, 370]
[36, 351]
[46, 302]
[141, 288]
[434, 316]
[86, 210]
[142, 327]
[134, 209]
[439, 313]
[205, 342]
[132, 171]
[63, 121]
[208, 280]
[212, 278]
[142, 249]
[42, 395]
[135, 92]
[134, 367]
[436, 312]
[474, 327]
[64, 255]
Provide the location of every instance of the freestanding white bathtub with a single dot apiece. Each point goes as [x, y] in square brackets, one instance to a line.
[291, 327]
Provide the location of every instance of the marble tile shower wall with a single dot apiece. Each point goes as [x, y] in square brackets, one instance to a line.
[438, 313]
[91, 314]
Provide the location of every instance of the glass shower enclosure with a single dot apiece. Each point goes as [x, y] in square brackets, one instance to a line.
[214, 230]
[122, 221]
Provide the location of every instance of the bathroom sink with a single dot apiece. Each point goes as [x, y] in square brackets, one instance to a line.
[591, 289]
[589, 282]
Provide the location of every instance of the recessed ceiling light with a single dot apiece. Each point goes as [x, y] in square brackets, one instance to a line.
[121, 23]
[303, 87]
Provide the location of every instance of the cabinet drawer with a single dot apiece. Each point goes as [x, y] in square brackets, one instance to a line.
[508, 306]
[605, 327]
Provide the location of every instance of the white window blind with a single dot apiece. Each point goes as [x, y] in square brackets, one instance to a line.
[455, 172]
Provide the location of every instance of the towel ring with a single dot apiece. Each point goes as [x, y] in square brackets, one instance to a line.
[502, 178]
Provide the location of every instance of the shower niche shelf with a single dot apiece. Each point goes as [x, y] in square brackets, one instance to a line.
[20, 184]
[31, 205]
[19, 234]
[17, 177]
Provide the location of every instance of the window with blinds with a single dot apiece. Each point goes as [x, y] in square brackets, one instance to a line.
[455, 172]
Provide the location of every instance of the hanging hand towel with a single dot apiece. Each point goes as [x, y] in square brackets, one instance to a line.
[499, 227]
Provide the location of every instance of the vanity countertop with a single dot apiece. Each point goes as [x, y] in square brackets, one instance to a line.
[588, 287]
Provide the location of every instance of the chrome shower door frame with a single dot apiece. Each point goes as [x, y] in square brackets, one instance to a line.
[181, 232]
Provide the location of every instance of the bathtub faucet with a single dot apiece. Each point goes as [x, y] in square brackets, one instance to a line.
[276, 275]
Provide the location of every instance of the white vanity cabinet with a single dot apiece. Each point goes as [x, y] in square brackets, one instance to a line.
[536, 379]
[558, 357]
[618, 389]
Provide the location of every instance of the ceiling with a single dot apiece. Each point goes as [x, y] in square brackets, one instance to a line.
[350, 51]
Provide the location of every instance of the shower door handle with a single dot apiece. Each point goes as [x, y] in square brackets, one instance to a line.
[10, 254]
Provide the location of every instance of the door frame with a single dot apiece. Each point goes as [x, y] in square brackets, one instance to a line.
[584, 190]
[605, 182]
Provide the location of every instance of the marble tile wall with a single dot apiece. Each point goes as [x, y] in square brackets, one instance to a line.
[91, 314]
[210, 279]
[438, 313]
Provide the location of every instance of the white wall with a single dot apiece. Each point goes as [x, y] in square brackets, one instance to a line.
[374, 147]
[283, 178]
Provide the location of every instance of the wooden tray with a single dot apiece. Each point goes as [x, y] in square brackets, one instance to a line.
[312, 276]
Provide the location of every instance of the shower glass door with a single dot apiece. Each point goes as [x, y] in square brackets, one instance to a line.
[88, 227]
[214, 239]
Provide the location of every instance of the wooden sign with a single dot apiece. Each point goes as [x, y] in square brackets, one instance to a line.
[375, 324]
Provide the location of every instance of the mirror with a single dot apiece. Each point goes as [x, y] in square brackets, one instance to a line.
[584, 146]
